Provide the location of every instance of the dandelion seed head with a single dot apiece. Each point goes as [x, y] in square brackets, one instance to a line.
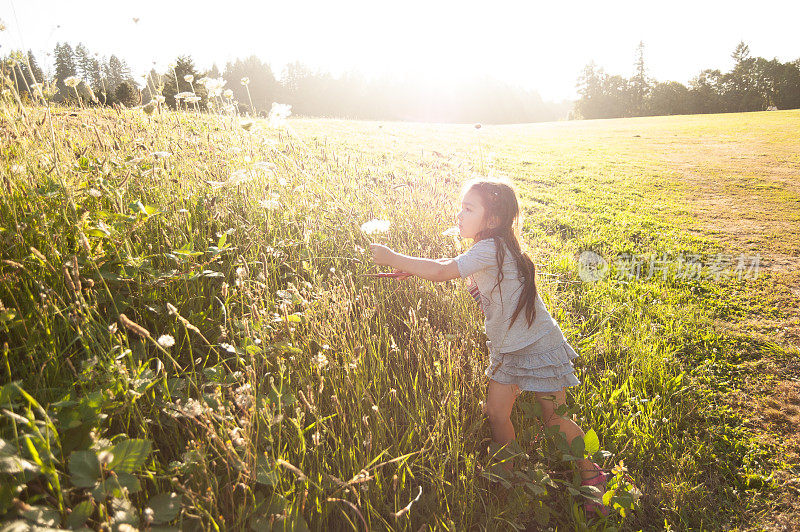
[278, 114]
[166, 340]
[375, 226]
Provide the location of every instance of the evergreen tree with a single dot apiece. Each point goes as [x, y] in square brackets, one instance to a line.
[640, 83]
[184, 66]
[65, 67]
[37, 76]
[83, 63]
[116, 72]
[263, 86]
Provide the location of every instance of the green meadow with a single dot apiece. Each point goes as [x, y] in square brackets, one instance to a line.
[189, 340]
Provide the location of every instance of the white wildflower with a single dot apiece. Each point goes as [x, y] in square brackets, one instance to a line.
[185, 94]
[229, 348]
[72, 81]
[188, 78]
[166, 340]
[192, 99]
[375, 226]
[320, 360]
[93, 192]
[316, 438]
[228, 93]
[245, 81]
[159, 98]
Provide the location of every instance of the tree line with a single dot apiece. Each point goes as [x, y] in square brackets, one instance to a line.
[249, 86]
[753, 84]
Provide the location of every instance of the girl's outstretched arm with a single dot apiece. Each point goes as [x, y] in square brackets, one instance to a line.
[430, 269]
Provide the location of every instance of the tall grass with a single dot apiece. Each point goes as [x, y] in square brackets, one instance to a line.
[298, 392]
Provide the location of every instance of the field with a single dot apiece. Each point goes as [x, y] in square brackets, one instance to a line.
[189, 339]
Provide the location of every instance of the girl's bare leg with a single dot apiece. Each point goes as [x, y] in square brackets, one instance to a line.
[499, 402]
[549, 402]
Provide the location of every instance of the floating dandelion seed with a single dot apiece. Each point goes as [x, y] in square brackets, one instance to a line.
[375, 226]
[188, 78]
[245, 81]
[135, 20]
[166, 340]
[72, 81]
[453, 231]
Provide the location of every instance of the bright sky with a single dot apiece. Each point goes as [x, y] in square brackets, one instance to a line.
[537, 45]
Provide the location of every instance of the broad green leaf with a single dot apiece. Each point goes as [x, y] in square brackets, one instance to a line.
[592, 442]
[129, 455]
[577, 446]
[165, 506]
[126, 480]
[84, 468]
[80, 514]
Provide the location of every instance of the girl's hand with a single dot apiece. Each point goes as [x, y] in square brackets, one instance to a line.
[382, 255]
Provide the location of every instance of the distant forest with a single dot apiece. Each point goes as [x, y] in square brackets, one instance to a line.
[249, 86]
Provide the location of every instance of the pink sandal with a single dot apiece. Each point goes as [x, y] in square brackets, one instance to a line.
[598, 480]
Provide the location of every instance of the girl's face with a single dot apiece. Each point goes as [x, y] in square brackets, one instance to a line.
[472, 218]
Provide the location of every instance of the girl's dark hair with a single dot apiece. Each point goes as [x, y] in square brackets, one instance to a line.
[499, 199]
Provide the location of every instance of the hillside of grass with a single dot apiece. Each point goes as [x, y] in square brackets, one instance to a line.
[189, 339]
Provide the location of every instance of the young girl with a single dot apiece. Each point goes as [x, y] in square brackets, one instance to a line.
[527, 349]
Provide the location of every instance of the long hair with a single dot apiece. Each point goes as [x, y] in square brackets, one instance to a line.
[499, 199]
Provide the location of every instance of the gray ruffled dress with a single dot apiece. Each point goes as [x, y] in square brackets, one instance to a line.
[544, 366]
